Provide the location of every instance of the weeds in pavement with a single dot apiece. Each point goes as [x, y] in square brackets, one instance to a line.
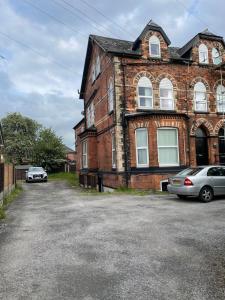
[8, 199]
[71, 178]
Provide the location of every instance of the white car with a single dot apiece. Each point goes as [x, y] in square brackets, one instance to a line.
[36, 174]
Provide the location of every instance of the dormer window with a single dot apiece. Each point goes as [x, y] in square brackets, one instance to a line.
[154, 46]
[217, 59]
[203, 54]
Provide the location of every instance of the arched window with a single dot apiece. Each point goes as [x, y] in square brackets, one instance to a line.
[110, 94]
[220, 98]
[216, 56]
[166, 94]
[203, 54]
[154, 46]
[145, 99]
[200, 97]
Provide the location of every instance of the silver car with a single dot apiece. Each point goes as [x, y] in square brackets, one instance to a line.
[204, 182]
[36, 174]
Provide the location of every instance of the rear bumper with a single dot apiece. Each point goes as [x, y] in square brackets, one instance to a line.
[183, 190]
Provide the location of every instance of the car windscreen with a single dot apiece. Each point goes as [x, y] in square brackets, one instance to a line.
[190, 172]
[35, 169]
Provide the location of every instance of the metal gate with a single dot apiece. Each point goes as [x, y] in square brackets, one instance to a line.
[1, 177]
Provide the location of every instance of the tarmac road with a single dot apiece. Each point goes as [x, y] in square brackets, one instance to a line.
[58, 244]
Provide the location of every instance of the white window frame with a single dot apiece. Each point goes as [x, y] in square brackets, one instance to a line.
[84, 155]
[203, 54]
[110, 95]
[215, 51]
[200, 88]
[141, 148]
[146, 84]
[177, 146]
[90, 115]
[93, 72]
[154, 40]
[220, 98]
[113, 150]
[164, 82]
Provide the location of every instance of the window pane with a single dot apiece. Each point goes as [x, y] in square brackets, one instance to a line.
[155, 49]
[145, 102]
[142, 157]
[168, 156]
[167, 137]
[141, 136]
[200, 96]
[143, 91]
[166, 104]
[201, 106]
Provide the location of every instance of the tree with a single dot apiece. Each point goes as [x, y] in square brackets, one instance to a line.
[20, 134]
[49, 150]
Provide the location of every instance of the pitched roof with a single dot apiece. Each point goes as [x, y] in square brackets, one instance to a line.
[151, 26]
[68, 150]
[206, 34]
[115, 45]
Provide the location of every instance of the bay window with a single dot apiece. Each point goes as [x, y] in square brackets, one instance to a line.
[84, 155]
[113, 151]
[166, 94]
[145, 93]
[200, 96]
[168, 150]
[142, 159]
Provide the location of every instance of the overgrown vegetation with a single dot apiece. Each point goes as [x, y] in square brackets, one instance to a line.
[8, 199]
[71, 178]
[26, 141]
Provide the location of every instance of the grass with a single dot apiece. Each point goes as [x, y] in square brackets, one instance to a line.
[71, 178]
[9, 199]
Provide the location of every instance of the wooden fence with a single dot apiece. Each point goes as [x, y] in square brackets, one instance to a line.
[7, 179]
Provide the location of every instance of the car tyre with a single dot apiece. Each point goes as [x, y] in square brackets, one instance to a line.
[206, 194]
[182, 196]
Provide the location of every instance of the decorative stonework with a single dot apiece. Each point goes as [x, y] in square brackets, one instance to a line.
[168, 76]
[202, 122]
[218, 82]
[219, 125]
[168, 123]
[151, 33]
[200, 79]
[143, 124]
[143, 74]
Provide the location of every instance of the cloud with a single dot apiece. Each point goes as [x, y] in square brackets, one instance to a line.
[44, 87]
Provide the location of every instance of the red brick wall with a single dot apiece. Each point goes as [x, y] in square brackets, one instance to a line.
[183, 78]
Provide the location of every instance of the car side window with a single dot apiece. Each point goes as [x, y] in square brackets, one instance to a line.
[214, 172]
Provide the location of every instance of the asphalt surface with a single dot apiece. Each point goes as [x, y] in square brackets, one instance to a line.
[57, 244]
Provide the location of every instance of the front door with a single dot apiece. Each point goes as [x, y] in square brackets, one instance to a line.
[221, 147]
[201, 145]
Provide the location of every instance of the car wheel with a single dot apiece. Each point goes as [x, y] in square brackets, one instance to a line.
[182, 196]
[206, 194]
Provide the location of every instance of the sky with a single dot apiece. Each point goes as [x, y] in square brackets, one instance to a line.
[43, 46]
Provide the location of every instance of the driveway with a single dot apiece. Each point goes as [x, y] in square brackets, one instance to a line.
[58, 244]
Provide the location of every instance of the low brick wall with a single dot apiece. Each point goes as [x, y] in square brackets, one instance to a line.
[7, 180]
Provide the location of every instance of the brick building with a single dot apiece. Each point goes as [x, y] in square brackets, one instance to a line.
[150, 109]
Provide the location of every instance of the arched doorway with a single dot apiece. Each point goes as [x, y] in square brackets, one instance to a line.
[221, 146]
[201, 145]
